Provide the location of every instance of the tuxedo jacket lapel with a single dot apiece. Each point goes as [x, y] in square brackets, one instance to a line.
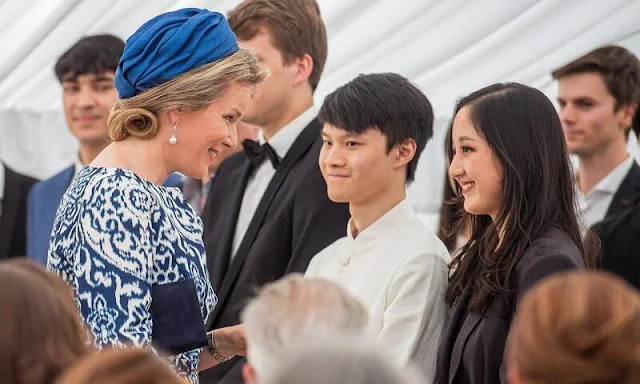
[10, 203]
[300, 146]
[628, 193]
[219, 264]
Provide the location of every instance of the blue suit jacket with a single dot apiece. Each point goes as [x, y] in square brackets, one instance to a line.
[44, 198]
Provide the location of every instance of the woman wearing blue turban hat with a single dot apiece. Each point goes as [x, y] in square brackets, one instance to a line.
[130, 248]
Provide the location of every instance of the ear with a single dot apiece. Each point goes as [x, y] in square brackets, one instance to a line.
[405, 152]
[513, 374]
[625, 114]
[303, 67]
[174, 116]
[249, 374]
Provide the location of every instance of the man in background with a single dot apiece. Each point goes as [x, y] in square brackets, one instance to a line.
[598, 97]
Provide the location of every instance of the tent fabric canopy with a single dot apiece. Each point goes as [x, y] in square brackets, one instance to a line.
[447, 47]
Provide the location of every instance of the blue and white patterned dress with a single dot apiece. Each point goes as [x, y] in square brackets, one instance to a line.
[114, 237]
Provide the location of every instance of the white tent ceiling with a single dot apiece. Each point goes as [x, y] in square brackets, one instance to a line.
[447, 47]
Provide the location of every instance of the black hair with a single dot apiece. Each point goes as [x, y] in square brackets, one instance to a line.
[384, 101]
[90, 55]
[521, 126]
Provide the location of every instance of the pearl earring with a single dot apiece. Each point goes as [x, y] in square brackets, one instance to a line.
[174, 139]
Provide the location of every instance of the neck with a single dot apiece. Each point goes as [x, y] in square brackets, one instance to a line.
[597, 166]
[364, 214]
[88, 152]
[141, 157]
[297, 106]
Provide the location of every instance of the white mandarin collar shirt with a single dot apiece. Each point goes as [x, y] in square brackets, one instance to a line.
[594, 205]
[258, 182]
[397, 268]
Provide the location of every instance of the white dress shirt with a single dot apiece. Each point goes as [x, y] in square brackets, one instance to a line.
[594, 205]
[1, 187]
[398, 269]
[259, 180]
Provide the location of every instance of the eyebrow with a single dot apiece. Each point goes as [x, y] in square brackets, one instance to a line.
[466, 138]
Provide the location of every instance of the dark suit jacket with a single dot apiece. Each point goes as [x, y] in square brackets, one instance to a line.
[619, 232]
[294, 220]
[620, 244]
[628, 192]
[13, 222]
[472, 348]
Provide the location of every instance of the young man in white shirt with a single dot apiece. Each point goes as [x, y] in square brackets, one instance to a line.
[598, 96]
[374, 129]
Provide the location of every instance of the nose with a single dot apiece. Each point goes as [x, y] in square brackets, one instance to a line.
[331, 156]
[455, 168]
[231, 140]
[86, 98]
[568, 114]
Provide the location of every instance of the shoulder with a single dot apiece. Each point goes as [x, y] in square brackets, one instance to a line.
[325, 256]
[46, 184]
[417, 240]
[114, 190]
[552, 252]
[12, 176]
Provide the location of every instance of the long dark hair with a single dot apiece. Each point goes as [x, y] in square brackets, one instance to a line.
[521, 126]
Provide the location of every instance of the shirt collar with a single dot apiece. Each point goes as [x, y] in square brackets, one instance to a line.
[2, 171]
[380, 228]
[611, 182]
[284, 138]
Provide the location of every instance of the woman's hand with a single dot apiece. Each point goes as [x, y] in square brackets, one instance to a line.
[231, 341]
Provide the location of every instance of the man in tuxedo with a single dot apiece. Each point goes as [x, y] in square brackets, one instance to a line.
[14, 188]
[598, 95]
[86, 73]
[267, 212]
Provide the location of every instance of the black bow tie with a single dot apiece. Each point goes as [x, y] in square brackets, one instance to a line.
[257, 153]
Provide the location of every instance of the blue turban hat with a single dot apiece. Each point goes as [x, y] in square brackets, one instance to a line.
[171, 44]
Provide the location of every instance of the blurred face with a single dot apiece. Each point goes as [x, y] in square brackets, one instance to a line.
[245, 131]
[87, 101]
[589, 121]
[203, 135]
[356, 167]
[475, 169]
[273, 94]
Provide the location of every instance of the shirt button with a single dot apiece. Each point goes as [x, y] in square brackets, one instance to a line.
[344, 262]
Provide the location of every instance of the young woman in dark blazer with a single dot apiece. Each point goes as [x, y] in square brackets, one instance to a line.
[508, 159]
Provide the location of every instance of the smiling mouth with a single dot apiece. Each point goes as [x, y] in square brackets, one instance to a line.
[466, 187]
[212, 153]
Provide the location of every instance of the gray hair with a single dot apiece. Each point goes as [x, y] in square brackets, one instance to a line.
[292, 310]
[333, 361]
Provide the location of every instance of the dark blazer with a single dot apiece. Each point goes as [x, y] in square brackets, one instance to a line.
[620, 244]
[294, 220]
[628, 192]
[472, 348]
[13, 219]
[43, 203]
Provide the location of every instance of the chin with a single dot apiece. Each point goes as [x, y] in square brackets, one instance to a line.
[338, 196]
